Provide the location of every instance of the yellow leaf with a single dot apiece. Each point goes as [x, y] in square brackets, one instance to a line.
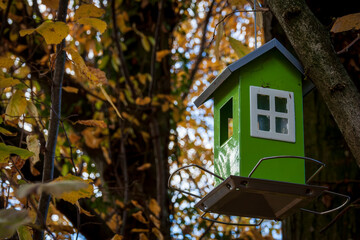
[143, 101]
[142, 236]
[138, 216]
[92, 123]
[90, 139]
[117, 237]
[144, 167]
[219, 35]
[161, 54]
[80, 66]
[239, 48]
[120, 203]
[53, 4]
[155, 221]
[165, 107]
[346, 23]
[145, 43]
[74, 196]
[121, 20]
[145, 135]
[6, 132]
[16, 106]
[110, 101]
[24, 32]
[53, 32]
[33, 145]
[100, 76]
[8, 82]
[88, 10]
[136, 204]
[98, 24]
[6, 62]
[22, 72]
[106, 155]
[154, 207]
[143, 77]
[137, 230]
[3, 4]
[71, 89]
[157, 233]
[83, 211]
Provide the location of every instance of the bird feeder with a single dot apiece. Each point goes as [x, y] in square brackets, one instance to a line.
[259, 157]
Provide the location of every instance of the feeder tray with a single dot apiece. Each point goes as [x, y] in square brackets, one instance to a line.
[259, 198]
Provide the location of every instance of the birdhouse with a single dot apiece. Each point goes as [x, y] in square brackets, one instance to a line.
[258, 112]
[259, 140]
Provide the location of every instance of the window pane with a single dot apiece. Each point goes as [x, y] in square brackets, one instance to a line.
[281, 105]
[263, 102]
[264, 123]
[282, 125]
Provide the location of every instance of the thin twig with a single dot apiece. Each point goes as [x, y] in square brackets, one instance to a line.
[153, 54]
[124, 68]
[345, 49]
[208, 229]
[123, 162]
[4, 21]
[71, 148]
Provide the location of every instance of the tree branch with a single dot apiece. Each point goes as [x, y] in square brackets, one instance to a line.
[55, 114]
[153, 53]
[202, 48]
[4, 20]
[311, 42]
[124, 69]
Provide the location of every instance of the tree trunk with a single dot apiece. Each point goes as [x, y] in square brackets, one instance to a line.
[312, 44]
[323, 141]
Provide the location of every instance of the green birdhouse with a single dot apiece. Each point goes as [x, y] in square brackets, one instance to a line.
[258, 112]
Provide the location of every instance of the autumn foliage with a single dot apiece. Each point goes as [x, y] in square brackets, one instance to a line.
[131, 72]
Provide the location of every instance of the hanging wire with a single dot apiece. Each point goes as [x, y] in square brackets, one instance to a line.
[255, 24]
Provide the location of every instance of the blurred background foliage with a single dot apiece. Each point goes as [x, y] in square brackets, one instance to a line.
[153, 60]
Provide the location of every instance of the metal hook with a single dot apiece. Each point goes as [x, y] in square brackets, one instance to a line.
[229, 223]
[285, 156]
[331, 210]
[191, 165]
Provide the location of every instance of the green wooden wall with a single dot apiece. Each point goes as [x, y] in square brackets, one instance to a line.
[239, 154]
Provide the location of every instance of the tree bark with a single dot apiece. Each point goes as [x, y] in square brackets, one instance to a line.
[55, 115]
[311, 42]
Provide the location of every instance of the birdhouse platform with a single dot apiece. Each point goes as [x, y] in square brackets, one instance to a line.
[258, 198]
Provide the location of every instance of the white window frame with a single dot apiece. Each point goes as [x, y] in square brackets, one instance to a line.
[254, 112]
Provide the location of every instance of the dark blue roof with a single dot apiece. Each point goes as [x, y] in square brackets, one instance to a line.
[274, 43]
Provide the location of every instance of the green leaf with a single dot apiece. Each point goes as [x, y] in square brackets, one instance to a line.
[16, 106]
[69, 188]
[6, 151]
[239, 48]
[24, 233]
[10, 220]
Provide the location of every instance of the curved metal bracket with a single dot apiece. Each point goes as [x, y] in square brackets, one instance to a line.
[331, 210]
[191, 165]
[285, 156]
[229, 223]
